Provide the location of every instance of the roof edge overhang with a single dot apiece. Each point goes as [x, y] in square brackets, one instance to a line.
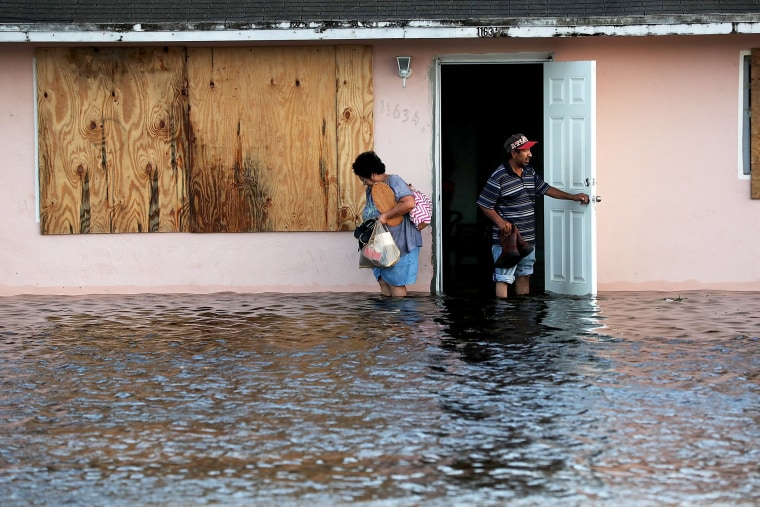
[186, 32]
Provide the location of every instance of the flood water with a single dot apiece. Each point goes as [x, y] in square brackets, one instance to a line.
[353, 399]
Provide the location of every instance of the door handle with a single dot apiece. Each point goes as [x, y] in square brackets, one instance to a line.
[596, 198]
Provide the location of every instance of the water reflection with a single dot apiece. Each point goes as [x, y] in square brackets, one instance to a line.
[345, 399]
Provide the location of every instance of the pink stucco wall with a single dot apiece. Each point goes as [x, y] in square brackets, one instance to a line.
[674, 216]
[134, 263]
[675, 213]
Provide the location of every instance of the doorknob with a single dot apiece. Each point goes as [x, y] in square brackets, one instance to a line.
[596, 198]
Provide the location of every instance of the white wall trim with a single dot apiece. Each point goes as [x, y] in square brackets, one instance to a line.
[740, 114]
[438, 62]
[495, 58]
[543, 28]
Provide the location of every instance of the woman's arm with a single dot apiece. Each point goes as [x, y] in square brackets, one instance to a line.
[402, 207]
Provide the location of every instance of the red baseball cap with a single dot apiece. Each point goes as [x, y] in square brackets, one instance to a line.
[519, 142]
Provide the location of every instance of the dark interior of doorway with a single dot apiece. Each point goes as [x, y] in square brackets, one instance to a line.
[481, 106]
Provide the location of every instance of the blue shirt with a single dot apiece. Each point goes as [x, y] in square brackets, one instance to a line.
[514, 198]
[405, 234]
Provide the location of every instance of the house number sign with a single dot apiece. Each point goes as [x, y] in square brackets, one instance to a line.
[489, 31]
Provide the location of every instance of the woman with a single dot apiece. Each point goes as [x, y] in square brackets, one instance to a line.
[371, 171]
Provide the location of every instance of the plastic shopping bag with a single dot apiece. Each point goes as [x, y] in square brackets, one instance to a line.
[380, 251]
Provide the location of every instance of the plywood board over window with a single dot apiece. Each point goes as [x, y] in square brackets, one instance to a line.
[112, 140]
[202, 140]
[755, 125]
[355, 99]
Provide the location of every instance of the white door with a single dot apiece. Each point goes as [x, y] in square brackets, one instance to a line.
[570, 165]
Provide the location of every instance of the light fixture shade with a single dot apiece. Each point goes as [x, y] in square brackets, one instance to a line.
[404, 67]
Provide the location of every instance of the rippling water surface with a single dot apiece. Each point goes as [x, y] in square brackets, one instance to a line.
[351, 399]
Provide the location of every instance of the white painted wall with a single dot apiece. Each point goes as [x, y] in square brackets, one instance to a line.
[675, 214]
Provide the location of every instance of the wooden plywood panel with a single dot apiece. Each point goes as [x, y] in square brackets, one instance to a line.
[355, 108]
[112, 140]
[755, 125]
[263, 139]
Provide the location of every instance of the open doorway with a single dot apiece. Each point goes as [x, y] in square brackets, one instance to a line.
[481, 106]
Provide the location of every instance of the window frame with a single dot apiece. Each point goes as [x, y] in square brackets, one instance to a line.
[745, 114]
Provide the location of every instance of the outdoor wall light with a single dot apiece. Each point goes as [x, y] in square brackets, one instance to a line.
[404, 67]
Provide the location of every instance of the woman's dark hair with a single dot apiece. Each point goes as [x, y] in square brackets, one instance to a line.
[367, 164]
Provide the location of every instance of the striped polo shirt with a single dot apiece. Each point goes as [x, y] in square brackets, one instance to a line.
[513, 197]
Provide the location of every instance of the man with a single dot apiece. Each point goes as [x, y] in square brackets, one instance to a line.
[508, 199]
